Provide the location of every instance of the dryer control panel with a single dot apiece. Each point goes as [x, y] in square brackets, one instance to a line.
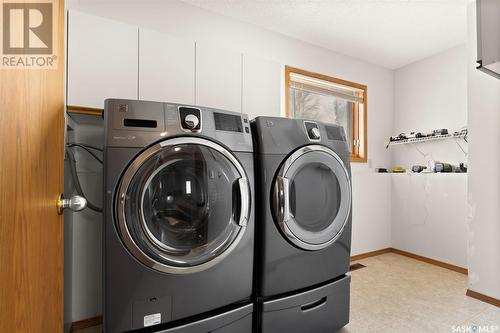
[312, 131]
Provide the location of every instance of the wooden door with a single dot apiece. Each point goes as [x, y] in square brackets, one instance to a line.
[31, 177]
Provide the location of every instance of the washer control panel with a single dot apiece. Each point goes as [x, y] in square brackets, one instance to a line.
[136, 123]
[312, 130]
[228, 122]
[190, 118]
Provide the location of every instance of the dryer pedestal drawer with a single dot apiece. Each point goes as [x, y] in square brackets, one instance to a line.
[238, 320]
[323, 309]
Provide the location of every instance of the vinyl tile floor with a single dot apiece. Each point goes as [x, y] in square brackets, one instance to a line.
[396, 294]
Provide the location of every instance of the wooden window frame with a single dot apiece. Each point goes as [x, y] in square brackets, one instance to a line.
[360, 152]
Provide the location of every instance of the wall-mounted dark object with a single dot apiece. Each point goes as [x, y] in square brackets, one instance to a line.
[399, 137]
[440, 131]
[488, 36]
[443, 167]
[418, 168]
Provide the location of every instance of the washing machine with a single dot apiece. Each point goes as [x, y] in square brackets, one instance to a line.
[303, 225]
[179, 224]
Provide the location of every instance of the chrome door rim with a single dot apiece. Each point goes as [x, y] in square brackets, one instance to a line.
[283, 224]
[123, 187]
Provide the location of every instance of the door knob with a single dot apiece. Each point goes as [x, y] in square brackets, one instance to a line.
[76, 203]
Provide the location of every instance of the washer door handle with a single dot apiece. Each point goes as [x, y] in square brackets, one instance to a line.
[244, 201]
[284, 198]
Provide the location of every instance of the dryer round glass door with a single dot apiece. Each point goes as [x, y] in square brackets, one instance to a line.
[311, 199]
[183, 205]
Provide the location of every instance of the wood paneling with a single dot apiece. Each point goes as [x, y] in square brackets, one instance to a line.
[370, 254]
[84, 110]
[431, 261]
[31, 178]
[410, 255]
[483, 298]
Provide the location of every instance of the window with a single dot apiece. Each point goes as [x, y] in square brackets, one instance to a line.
[320, 97]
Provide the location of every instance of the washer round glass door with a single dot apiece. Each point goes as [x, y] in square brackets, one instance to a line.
[183, 205]
[312, 197]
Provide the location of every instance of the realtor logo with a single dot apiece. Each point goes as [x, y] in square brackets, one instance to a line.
[27, 28]
[28, 33]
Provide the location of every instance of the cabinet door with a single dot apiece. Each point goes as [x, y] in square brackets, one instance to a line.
[261, 87]
[218, 77]
[166, 68]
[102, 60]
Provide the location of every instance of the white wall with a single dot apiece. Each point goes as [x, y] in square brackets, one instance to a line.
[192, 23]
[429, 213]
[431, 94]
[85, 226]
[371, 192]
[484, 177]
[429, 216]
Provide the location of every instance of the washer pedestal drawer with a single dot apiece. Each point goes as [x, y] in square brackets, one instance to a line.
[238, 320]
[323, 309]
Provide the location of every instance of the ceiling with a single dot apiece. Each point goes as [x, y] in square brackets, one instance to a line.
[390, 33]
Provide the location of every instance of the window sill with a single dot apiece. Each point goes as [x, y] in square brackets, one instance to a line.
[358, 159]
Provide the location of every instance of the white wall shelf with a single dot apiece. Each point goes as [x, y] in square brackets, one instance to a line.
[460, 135]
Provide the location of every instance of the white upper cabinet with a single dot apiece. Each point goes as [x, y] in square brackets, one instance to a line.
[166, 68]
[218, 77]
[262, 81]
[102, 60]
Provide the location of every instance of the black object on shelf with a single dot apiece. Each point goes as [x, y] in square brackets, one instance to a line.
[419, 137]
[399, 137]
[443, 167]
[416, 135]
[418, 168]
[441, 131]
